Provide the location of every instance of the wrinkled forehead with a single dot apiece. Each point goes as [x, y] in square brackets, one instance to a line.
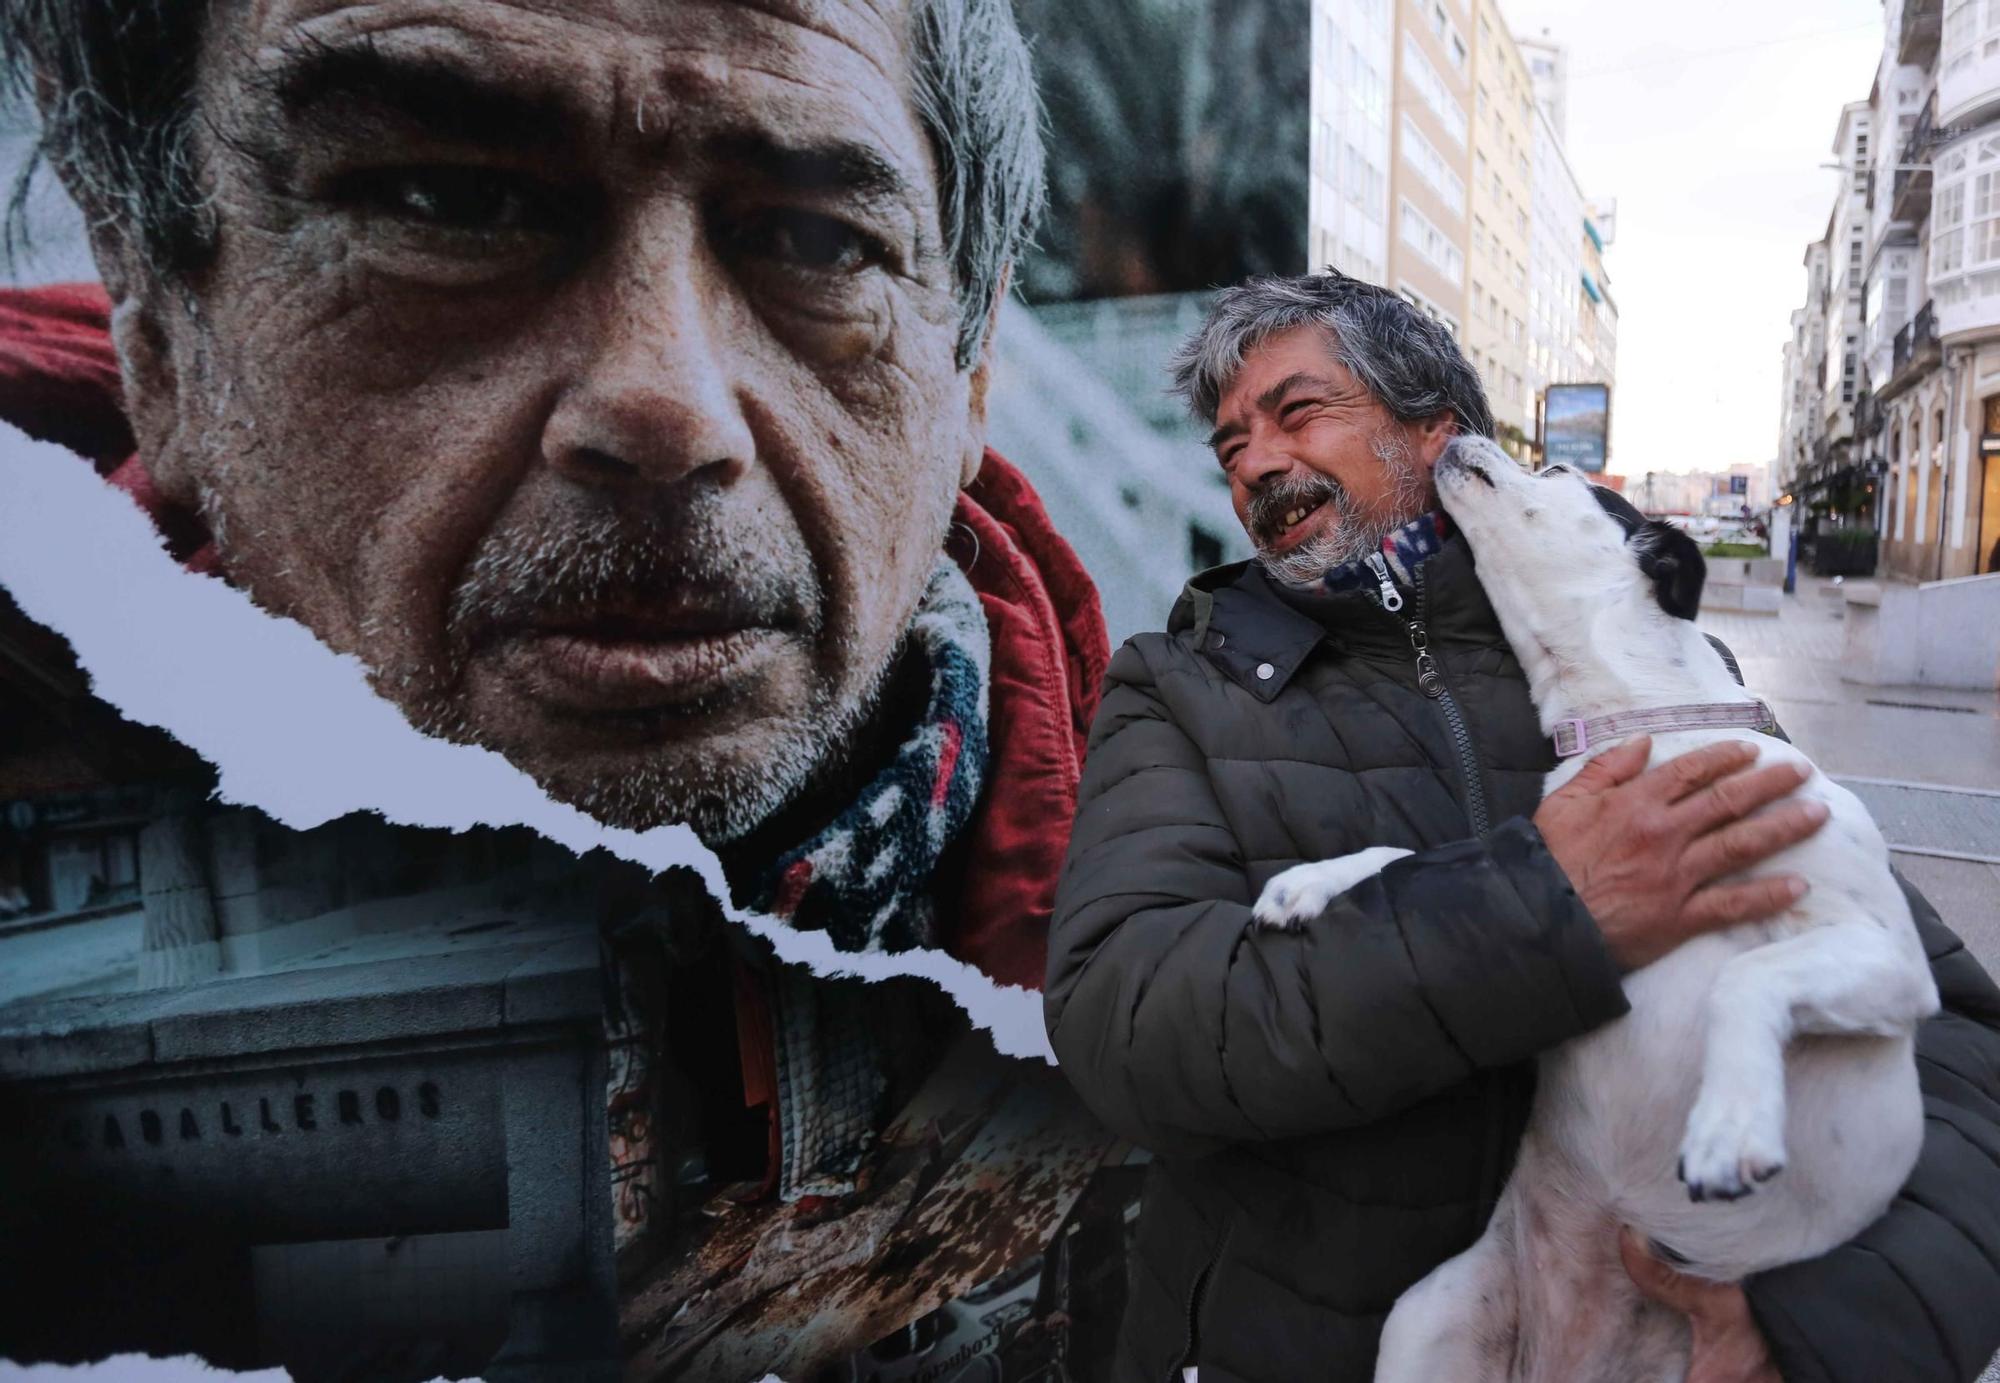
[665, 73]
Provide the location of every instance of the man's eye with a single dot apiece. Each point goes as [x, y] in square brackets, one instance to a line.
[808, 240]
[475, 199]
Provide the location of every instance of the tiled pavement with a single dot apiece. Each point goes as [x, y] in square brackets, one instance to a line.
[1926, 762]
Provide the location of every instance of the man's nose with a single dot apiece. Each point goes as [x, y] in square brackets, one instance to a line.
[655, 399]
[1258, 464]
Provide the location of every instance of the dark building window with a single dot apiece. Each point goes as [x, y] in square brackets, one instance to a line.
[1204, 548]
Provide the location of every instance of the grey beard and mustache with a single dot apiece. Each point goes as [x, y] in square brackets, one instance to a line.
[553, 565]
[569, 565]
[1356, 535]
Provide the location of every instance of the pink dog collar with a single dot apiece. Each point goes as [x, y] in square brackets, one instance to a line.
[1579, 736]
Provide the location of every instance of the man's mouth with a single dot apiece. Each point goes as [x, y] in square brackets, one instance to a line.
[1295, 525]
[1297, 516]
[629, 657]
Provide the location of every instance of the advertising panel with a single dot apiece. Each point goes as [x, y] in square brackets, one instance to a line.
[1576, 425]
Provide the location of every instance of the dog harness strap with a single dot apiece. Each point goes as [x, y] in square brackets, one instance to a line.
[1579, 736]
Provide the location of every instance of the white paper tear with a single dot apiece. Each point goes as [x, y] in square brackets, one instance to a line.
[294, 730]
[140, 1368]
[135, 1368]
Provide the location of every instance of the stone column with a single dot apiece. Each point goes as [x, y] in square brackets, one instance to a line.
[181, 944]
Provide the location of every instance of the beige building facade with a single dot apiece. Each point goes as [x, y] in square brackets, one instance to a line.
[1431, 135]
[1501, 205]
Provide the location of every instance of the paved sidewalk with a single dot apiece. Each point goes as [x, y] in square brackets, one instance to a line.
[1926, 762]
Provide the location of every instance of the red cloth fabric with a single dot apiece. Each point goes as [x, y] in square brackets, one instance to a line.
[59, 382]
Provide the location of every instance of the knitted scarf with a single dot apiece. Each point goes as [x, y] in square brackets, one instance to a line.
[865, 878]
[1406, 549]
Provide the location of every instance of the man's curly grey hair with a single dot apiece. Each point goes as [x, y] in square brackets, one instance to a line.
[115, 81]
[1406, 359]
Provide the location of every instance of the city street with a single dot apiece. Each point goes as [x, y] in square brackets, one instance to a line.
[1926, 762]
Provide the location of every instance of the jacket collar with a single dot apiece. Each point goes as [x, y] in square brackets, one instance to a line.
[1239, 621]
[1260, 636]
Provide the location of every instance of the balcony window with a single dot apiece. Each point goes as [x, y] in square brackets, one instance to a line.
[1433, 244]
[1965, 229]
[1968, 53]
[1423, 156]
[1971, 28]
[1431, 87]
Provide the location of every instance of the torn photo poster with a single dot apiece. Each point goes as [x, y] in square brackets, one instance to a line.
[555, 567]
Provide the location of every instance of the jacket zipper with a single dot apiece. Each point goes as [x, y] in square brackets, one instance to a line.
[1431, 682]
[1189, 1350]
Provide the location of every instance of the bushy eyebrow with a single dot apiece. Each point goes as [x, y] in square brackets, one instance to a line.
[346, 87]
[835, 165]
[353, 87]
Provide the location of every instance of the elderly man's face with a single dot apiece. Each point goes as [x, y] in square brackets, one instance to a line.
[586, 368]
[1319, 471]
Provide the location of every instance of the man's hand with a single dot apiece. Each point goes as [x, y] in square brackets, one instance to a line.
[1727, 1346]
[1644, 849]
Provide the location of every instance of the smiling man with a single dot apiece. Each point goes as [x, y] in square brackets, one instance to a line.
[609, 377]
[1335, 1109]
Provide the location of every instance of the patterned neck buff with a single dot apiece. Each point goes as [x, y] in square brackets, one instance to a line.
[1406, 549]
[866, 878]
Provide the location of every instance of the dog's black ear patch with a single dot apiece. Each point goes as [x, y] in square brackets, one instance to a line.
[1672, 561]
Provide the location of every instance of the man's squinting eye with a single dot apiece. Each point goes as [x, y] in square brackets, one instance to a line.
[807, 240]
[470, 198]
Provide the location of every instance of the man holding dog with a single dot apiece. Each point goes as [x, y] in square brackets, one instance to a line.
[1335, 1110]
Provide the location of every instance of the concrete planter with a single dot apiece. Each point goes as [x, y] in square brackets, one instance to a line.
[1941, 634]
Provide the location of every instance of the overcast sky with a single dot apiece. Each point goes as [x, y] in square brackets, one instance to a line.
[1707, 120]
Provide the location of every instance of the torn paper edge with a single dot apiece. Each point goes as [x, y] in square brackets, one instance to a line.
[294, 730]
[137, 1368]
[140, 1368]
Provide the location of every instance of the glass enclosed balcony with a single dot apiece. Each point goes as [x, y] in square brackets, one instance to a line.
[1968, 77]
[1965, 237]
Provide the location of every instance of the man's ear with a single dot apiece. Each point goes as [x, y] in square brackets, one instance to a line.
[976, 385]
[150, 371]
[1433, 435]
[1672, 561]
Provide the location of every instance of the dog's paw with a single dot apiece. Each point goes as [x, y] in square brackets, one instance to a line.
[1304, 890]
[1732, 1146]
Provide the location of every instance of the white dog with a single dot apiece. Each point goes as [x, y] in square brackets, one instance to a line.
[1782, 1047]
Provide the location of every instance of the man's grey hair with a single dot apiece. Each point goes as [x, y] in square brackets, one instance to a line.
[115, 83]
[1407, 360]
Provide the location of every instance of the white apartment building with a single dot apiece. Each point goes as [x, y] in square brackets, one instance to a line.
[1920, 457]
[1556, 297]
[1548, 71]
[1846, 242]
[1353, 77]
[1799, 390]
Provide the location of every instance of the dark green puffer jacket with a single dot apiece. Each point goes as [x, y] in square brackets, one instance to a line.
[1335, 1110]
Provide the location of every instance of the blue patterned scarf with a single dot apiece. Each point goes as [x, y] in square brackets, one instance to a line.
[1406, 549]
[866, 878]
